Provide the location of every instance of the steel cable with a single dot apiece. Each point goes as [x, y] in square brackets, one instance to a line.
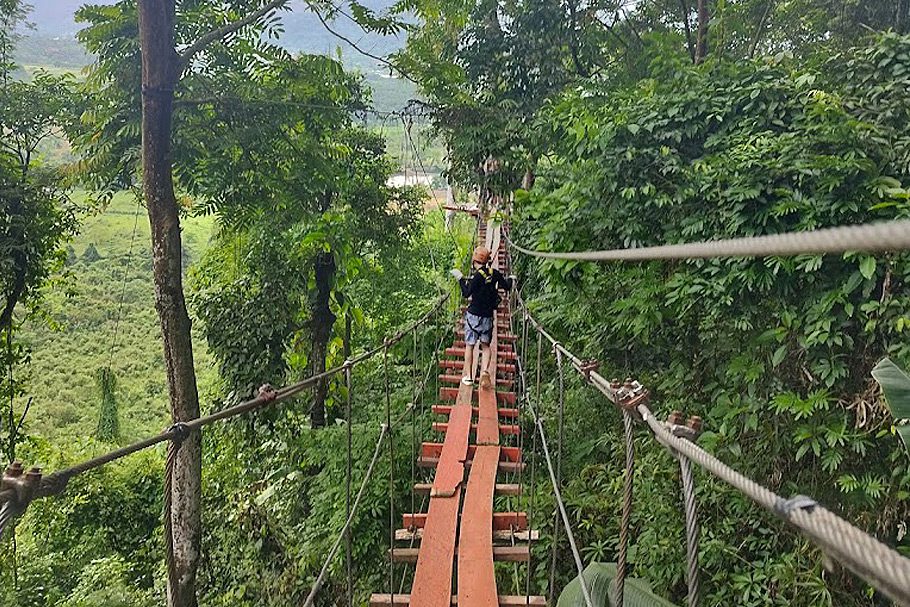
[348, 481]
[388, 417]
[872, 560]
[692, 534]
[885, 236]
[559, 434]
[619, 593]
[557, 494]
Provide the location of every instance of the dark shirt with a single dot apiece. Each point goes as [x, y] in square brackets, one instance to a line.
[483, 292]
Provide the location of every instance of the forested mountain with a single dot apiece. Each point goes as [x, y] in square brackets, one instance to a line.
[55, 27]
[220, 223]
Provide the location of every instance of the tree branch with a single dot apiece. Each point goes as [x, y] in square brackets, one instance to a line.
[685, 15]
[760, 29]
[353, 45]
[217, 34]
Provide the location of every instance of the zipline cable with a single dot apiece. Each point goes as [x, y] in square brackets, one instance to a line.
[873, 237]
[432, 192]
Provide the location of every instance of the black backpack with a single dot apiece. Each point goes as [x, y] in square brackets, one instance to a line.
[490, 283]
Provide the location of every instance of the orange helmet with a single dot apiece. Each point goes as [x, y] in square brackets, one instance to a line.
[481, 255]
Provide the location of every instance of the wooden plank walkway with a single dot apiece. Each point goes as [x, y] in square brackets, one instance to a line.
[470, 531]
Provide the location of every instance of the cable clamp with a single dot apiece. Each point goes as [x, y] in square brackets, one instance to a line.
[267, 393]
[589, 366]
[679, 427]
[629, 394]
[784, 508]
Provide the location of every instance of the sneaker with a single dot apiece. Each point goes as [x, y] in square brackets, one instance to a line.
[485, 382]
[467, 381]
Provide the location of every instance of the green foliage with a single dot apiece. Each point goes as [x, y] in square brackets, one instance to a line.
[773, 353]
[109, 417]
[105, 527]
[81, 311]
[896, 387]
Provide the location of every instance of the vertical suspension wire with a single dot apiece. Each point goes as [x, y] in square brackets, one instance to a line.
[7, 510]
[519, 388]
[692, 531]
[525, 391]
[416, 396]
[388, 421]
[626, 520]
[560, 437]
[348, 544]
[534, 461]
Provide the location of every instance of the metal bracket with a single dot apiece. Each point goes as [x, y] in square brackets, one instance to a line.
[589, 366]
[629, 394]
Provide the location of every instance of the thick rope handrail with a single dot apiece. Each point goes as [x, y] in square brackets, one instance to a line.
[873, 237]
[55, 483]
[881, 566]
[320, 579]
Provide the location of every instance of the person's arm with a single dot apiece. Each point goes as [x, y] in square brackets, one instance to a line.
[467, 286]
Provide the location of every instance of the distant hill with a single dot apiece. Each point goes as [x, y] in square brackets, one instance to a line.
[54, 21]
[52, 43]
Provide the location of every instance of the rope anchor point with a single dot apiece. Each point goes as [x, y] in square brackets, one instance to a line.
[179, 432]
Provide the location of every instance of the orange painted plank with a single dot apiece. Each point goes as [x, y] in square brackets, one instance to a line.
[509, 429]
[455, 380]
[456, 364]
[433, 577]
[452, 394]
[501, 521]
[503, 411]
[507, 356]
[476, 576]
[507, 454]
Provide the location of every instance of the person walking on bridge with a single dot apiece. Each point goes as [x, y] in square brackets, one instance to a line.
[483, 290]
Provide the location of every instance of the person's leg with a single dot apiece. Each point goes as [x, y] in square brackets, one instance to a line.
[467, 374]
[486, 381]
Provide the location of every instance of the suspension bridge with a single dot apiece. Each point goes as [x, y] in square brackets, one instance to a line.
[479, 461]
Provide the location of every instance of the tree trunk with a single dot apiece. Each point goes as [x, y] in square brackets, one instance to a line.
[527, 182]
[690, 45]
[159, 76]
[701, 44]
[323, 321]
[760, 29]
